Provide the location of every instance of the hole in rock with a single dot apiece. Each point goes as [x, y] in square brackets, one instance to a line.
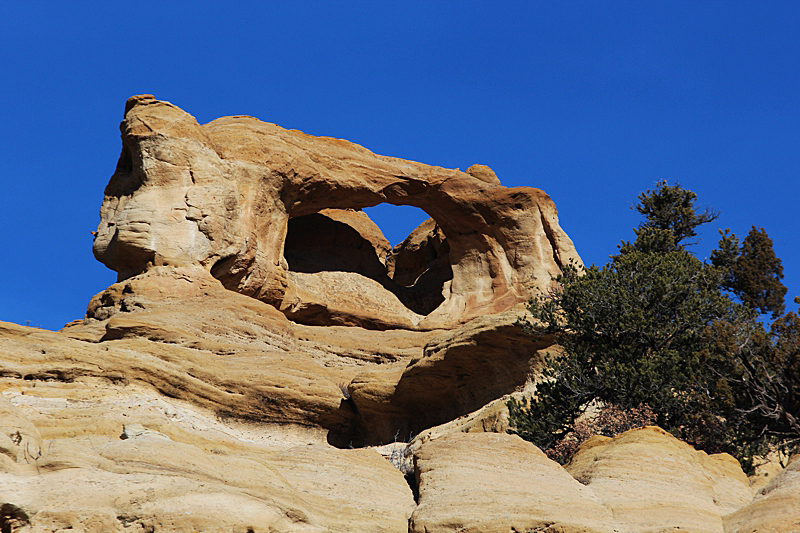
[396, 221]
[343, 254]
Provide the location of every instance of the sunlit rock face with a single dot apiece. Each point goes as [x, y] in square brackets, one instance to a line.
[198, 220]
[223, 195]
[264, 338]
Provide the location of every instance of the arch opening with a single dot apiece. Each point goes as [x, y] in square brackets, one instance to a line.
[396, 222]
[340, 261]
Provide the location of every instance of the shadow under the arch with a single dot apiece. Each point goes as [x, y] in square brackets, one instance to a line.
[317, 243]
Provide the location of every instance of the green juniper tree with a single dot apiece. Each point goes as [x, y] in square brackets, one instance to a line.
[655, 327]
[632, 333]
[670, 218]
[753, 271]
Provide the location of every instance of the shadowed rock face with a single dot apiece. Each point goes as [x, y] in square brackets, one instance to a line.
[221, 196]
[350, 244]
[422, 261]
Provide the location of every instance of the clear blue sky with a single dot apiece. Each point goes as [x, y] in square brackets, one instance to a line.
[593, 102]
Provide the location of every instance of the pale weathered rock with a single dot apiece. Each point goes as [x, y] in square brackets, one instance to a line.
[248, 361]
[203, 344]
[488, 482]
[221, 195]
[775, 508]
[177, 468]
[274, 214]
[19, 439]
[651, 481]
[142, 430]
[261, 319]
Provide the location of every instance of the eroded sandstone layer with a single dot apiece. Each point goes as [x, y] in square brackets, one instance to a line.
[642, 481]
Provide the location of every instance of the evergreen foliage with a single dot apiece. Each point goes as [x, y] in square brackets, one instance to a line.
[754, 272]
[763, 375]
[633, 333]
[656, 327]
[670, 219]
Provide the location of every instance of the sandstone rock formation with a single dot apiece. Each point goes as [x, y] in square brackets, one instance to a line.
[126, 458]
[247, 360]
[641, 481]
[262, 326]
[274, 214]
[654, 482]
[458, 372]
[340, 257]
[775, 508]
[491, 482]
[221, 196]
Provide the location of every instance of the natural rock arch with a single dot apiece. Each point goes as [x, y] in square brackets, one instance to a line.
[221, 195]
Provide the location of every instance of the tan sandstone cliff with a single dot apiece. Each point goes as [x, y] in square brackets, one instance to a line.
[263, 336]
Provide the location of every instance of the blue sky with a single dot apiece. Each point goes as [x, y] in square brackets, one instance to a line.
[594, 102]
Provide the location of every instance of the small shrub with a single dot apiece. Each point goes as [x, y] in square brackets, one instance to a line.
[402, 459]
[610, 421]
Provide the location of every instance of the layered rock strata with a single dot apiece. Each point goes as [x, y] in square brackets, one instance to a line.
[642, 481]
[632, 471]
[177, 329]
[775, 508]
[95, 456]
[496, 483]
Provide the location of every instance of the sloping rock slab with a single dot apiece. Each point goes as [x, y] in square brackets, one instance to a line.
[776, 507]
[149, 482]
[458, 372]
[653, 482]
[488, 482]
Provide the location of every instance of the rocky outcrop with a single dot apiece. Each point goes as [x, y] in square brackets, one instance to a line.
[651, 481]
[274, 214]
[246, 381]
[262, 327]
[641, 481]
[100, 450]
[490, 483]
[221, 196]
[180, 331]
[775, 508]
[121, 459]
[458, 372]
